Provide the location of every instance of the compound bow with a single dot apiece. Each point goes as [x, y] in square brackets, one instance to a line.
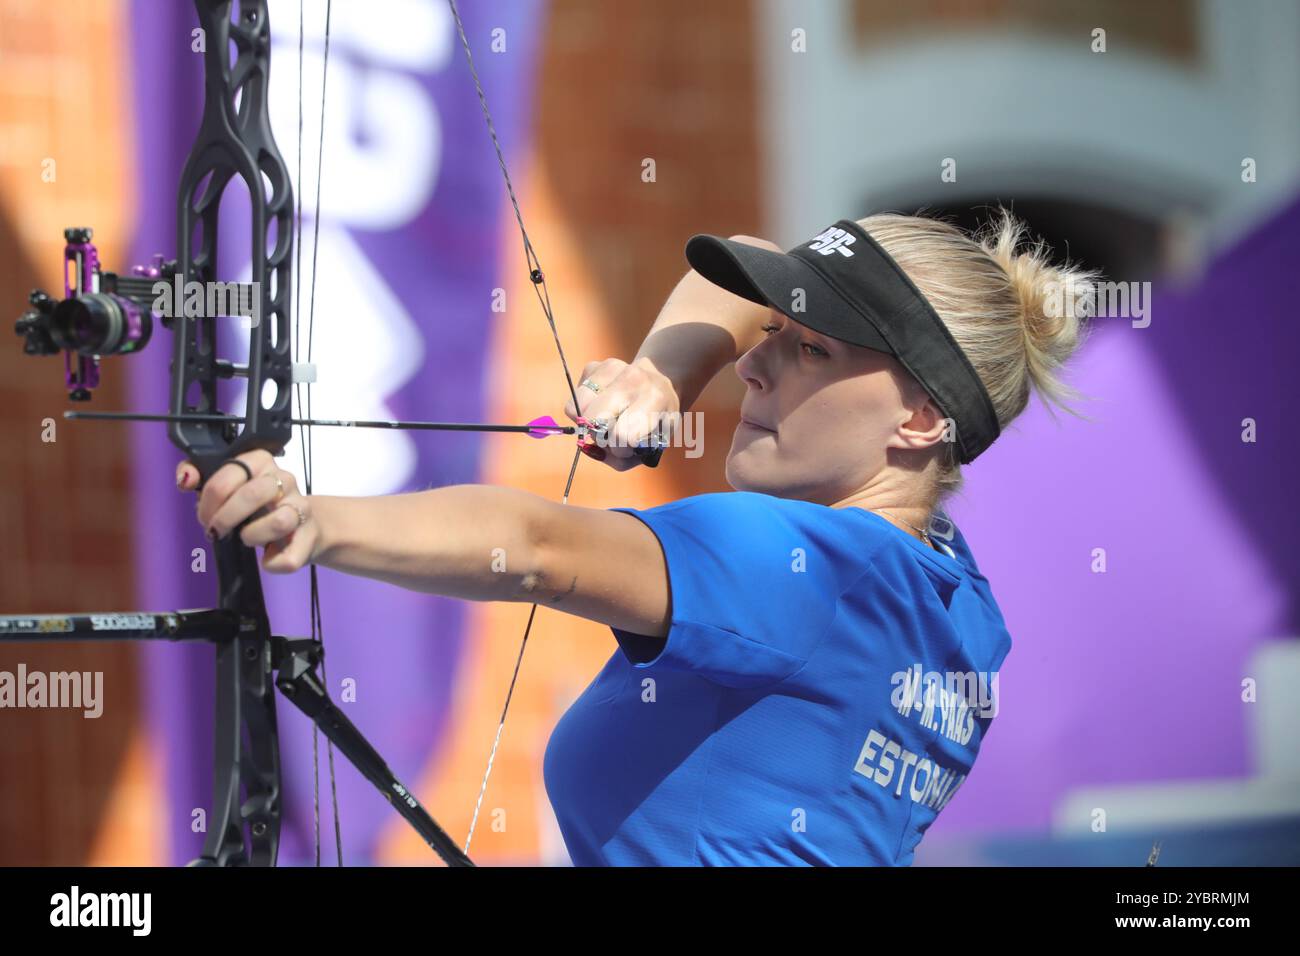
[103, 313]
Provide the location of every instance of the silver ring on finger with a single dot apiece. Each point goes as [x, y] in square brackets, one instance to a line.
[588, 383]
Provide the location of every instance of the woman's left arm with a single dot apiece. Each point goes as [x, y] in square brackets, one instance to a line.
[475, 542]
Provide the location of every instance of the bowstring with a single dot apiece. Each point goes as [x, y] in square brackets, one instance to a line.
[544, 297]
[534, 266]
[304, 432]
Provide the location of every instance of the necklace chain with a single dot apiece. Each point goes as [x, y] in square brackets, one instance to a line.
[925, 535]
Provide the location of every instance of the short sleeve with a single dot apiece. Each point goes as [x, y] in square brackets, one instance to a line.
[755, 582]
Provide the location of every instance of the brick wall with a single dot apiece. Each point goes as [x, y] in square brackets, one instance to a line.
[675, 82]
[65, 513]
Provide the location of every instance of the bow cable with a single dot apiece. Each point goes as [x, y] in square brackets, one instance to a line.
[544, 297]
[304, 431]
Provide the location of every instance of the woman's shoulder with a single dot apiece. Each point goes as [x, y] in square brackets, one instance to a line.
[748, 521]
[755, 504]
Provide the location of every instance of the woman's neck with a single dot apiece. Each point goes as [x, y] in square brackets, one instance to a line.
[909, 518]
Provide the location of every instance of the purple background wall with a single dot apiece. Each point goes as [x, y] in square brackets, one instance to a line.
[1135, 674]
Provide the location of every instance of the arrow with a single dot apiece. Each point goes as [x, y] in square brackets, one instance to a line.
[543, 427]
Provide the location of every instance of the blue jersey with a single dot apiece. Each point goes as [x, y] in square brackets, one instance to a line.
[821, 695]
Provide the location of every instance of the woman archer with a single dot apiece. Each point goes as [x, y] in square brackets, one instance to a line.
[792, 677]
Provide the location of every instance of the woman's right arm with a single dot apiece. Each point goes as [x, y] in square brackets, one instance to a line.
[701, 329]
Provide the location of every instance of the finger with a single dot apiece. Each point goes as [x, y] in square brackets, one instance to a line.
[616, 457]
[286, 556]
[244, 501]
[259, 460]
[281, 521]
[610, 461]
[570, 412]
[638, 422]
[633, 426]
[603, 371]
[229, 476]
[293, 551]
[608, 403]
[588, 371]
[605, 377]
[288, 482]
[227, 479]
[221, 484]
[187, 476]
[612, 446]
[256, 462]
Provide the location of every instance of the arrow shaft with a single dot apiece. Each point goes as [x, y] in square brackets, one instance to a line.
[534, 429]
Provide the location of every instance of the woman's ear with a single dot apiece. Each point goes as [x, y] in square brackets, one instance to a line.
[927, 425]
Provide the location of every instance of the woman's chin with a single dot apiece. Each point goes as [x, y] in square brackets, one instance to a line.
[745, 472]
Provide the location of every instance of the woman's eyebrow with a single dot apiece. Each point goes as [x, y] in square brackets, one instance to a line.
[825, 341]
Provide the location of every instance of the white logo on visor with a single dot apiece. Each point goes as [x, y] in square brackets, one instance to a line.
[834, 239]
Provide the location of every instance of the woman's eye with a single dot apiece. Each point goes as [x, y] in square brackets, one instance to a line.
[808, 347]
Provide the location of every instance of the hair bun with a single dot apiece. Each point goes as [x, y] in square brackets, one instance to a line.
[1055, 301]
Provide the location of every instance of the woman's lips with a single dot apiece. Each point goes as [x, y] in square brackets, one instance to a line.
[746, 423]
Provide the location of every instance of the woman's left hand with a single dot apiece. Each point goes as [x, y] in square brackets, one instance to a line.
[287, 530]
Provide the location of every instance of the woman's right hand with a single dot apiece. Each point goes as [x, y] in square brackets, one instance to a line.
[634, 398]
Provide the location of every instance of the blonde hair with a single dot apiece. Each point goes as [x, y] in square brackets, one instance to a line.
[1017, 316]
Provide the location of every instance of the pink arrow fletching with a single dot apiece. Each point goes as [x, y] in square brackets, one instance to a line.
[544, 427]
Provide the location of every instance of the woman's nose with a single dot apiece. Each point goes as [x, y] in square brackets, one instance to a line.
[748, 368]
[757, 367]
